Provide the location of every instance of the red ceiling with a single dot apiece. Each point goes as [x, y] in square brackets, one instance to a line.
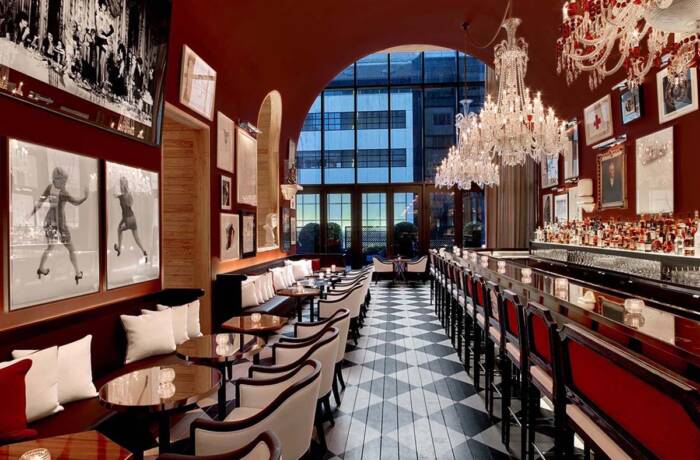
[297, 46]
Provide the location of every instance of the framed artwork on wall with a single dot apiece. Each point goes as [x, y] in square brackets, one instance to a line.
[133, 225]
[550, 171]
[197, 84]
[247, 167]
[612, 178]
[54, 225]
[286, 230]
[630, 104]
[676, 100]
[226, 193]
[248, 234]
[229, 231]
[45, 62]
[561, 208]
[293, 225]
[575, 212]
[571, 151]
[597, 118]
[654, 172]
[547, 208]
[224, 142]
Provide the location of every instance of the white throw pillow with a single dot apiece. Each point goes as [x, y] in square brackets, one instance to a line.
[279, 279]
[41, 384]
[248, 296]
[74, 370]
[289, 272]
[179, 315]
[148, 335]
[259, 282]
[309, 267]
[194, 329]
[269, 287]
[298, 269]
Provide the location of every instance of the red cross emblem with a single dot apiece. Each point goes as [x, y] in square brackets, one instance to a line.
[597, 122]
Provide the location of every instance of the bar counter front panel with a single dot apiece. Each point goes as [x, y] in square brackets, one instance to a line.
[667, 337]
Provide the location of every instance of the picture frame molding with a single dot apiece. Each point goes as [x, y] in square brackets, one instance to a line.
[223, 205]
[590, 138]
[638, 171]
[663, 117]
[243, 214]
[619, 149]
[209, 116]
[640, 104]
[220, 147]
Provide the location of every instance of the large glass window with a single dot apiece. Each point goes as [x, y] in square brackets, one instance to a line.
[309, 147]
[442, 227]
[339, 136]
[345, 78]
[473, 229]
[440, 111]
[373, 70]
[373, 139]
[440, 66]
[407, 138]
[308, 223]
[373, 225]
[406, 68]
[406, 224]
[339, 222]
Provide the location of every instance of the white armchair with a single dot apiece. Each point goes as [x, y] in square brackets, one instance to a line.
[339, 318]
[266, 405]
[351, 300]
[382, 269]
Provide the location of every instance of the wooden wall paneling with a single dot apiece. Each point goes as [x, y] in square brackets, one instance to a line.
[270, 123]
[186, 218]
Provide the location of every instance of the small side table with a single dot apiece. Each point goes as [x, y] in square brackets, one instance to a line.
[300, 293]
[76, 446]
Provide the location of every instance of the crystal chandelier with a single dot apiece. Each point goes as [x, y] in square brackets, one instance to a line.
[636, 33]
[517, 126]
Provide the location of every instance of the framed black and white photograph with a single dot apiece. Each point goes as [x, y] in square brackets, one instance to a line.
[99, 61]
[630, 104]
[293, 225]
[248, 234]
[676, 100]
[561, 208]
[54, 225]
[654, 172]
[226, 193]
[230, 237]
[286, 229]
[133, 225]
[612, 178]
[247, 167]
[571, 152]
[575, 211]
[550, 171]
[197, 84]
[224, 142]
[547, 208]
[597, 119]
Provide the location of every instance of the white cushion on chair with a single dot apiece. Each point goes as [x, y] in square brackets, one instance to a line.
[288, 270]
[194, 329]
[299, 269]
[148, 335]
[74, 370]
[41, 384]
[249, 297]
[180, 321]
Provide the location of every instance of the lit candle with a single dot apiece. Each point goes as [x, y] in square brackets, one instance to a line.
[328, 271]
[320, 276]
[526, 272]
[256, 317]
[222, 339]
[501, 264]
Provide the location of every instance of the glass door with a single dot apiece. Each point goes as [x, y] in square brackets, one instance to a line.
[338, 223]
[374, 223]
[406, 224]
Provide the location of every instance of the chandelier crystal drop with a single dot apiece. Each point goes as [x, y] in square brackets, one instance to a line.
[601, 37]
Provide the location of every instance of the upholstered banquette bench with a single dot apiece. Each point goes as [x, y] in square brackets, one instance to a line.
[108, 351]
[227, 298]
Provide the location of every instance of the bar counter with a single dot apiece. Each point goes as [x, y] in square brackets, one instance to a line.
[667, 337]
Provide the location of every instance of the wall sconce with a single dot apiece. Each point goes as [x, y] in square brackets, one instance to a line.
[250, 127]
[586, 200]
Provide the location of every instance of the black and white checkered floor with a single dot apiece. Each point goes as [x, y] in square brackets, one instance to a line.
[408, 396]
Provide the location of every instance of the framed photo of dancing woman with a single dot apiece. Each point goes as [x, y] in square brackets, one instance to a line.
[54, 225]
[100, 62]
[133, 225]
[230, 237]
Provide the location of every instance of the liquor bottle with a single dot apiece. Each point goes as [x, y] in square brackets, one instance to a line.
[678, 244]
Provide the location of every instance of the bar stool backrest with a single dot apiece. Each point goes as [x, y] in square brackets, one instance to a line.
[493, 303]
[541, 336]
[512, 316]
[649, 412]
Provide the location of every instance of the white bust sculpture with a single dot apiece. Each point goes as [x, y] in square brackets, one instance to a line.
[270, 229]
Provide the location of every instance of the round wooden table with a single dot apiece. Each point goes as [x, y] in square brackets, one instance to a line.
[300, 293]
[162, 391]
[250, 324]
[221, 351]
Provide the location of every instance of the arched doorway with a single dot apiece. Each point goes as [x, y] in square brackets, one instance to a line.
[270, 123]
